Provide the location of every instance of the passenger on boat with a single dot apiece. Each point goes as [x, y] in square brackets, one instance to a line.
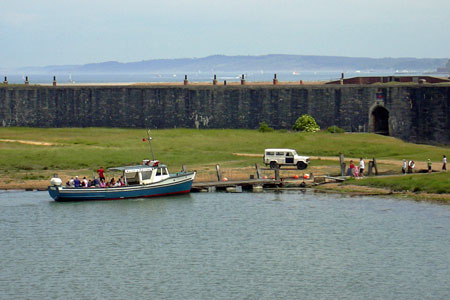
[77, 182]
[102, 183]
[71, 182]
[85, 182]
[95, 182]
[100, 173]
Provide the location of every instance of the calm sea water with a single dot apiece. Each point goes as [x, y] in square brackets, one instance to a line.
[65, 78]
[224, 246]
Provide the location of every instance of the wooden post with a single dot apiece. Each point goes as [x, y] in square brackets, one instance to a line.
[54, 80]
[5, 82]
[342, 163]
[275, 80]
[219, 175]
[258, 171]
[277, 174]
[186, 81]
[370, 168]
[375, 165]
[183, 168]
[215, 80]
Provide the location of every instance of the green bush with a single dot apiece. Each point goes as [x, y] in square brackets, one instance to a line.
[263, 127]
[306, 123]
[335, 129]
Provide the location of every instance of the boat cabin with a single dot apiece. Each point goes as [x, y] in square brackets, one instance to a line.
[148, 172]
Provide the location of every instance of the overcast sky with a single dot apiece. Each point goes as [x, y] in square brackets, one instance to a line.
[44, 32]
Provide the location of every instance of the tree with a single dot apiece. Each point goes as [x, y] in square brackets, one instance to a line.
[306, 123]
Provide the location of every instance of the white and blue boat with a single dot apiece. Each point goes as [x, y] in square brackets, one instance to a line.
[150, 179]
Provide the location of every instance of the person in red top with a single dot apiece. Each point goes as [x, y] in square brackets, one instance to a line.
[352, 169]
[100, 173]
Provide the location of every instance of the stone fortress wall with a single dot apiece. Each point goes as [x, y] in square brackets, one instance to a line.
[413, 112]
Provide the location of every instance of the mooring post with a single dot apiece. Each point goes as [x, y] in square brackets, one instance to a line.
[258, 171]
[215, 80]
[219, 175]
[275, 80]
[370, 168]
[242, 79]
[26, 80]
[375, 165]
[6, 80]
[186, 81]
[342, 78]
[277, 174]
[54, 80]
[224, 82]
[342, 163]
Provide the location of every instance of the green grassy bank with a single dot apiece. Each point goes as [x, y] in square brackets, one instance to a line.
[76, 148]
[438, 183]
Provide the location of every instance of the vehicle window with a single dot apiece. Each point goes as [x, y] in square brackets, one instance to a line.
[289, 154]
[269, 153]
[280, 153]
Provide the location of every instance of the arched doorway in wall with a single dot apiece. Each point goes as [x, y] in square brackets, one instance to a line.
[379, 120]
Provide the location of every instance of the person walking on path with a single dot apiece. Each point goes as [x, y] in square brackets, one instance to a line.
[362, 166]
[444, 163]
[429, 165]
[411, 166]
[404, 166]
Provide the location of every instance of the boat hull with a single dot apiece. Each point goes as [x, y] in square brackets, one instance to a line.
[174, 185]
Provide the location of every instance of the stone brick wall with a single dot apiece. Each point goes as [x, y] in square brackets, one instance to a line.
[417, 113]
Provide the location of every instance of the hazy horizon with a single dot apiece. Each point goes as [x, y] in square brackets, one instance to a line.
[76, 32]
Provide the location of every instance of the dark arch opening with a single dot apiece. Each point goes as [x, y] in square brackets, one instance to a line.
[380, 116]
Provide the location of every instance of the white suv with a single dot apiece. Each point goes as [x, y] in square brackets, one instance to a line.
[285, 157]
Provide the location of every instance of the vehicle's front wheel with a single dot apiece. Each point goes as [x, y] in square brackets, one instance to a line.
[273, 165]
[301, 165]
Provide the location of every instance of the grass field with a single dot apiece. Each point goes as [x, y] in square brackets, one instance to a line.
[90, 147]
[438, 183]
[71, 149]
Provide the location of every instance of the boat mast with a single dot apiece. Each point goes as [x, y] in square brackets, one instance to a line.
[150, 143]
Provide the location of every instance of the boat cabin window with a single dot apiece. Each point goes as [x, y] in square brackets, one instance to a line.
[165, 171]
[158, 172]
[146, 175]
[132, 178]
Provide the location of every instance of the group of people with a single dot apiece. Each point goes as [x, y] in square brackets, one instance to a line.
[408, 167]
[96, 182]
[355, 171]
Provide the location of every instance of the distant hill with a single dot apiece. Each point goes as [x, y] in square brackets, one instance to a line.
[272, 62]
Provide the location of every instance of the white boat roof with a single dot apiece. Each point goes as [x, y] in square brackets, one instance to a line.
[137, 168]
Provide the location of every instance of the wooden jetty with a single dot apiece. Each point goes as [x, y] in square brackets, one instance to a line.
[259, 183]
[245, 184]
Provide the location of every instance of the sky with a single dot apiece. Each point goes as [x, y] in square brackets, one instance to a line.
[65, 32]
